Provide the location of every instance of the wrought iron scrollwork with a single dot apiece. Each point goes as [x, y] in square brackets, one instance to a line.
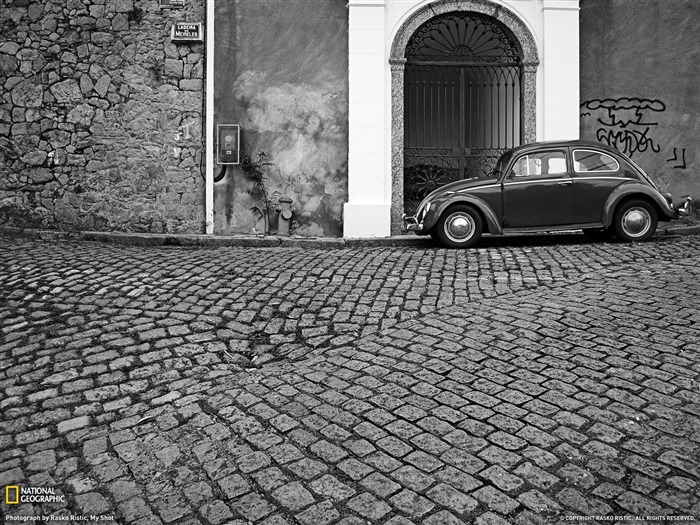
[427, 170]
[481, 165]
[463, 37]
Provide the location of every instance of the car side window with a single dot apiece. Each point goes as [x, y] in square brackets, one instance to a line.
[540, 163]
[588, 160]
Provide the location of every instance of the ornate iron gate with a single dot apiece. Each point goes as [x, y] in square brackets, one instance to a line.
[462, 99]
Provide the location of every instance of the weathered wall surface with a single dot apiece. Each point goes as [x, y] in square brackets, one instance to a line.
[281, 73]
[100, 117]
[639, 85]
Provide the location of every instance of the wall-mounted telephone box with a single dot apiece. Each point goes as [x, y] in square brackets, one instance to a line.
[228, 150]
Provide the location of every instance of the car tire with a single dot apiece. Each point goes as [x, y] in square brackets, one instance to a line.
[599, 234]
[635, 221]
[460, 226]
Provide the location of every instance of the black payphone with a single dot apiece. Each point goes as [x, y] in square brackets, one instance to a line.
[228, 149]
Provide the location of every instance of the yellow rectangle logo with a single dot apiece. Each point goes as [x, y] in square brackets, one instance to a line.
[8, 490]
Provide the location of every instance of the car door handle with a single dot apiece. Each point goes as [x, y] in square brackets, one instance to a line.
[565, 183]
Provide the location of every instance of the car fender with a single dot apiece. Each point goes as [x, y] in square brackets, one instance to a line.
[492, 222]
[632, 189]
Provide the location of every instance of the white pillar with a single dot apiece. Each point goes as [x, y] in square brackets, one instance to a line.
[209, 125]
[560, 63]
[367, 212]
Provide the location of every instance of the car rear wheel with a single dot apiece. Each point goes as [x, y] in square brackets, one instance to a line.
[635, 221]
[460, 226]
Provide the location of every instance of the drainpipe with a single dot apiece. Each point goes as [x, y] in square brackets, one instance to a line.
[209, 123]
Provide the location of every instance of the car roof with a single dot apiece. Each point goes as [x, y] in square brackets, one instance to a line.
[565, 144]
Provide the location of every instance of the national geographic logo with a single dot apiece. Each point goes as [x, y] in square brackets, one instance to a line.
[14, 495]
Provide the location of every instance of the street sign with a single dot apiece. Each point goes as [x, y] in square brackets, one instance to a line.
[172, 4]
[186, 32]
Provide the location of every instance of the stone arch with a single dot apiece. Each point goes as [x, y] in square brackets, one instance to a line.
[397, 61]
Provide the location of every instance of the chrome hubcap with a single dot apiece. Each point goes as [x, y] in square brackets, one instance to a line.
[459, 227]
[636, 222]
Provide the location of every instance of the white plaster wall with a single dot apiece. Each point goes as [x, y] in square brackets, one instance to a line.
[373, 27]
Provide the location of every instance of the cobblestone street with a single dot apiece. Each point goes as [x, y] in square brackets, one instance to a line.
[527, 381]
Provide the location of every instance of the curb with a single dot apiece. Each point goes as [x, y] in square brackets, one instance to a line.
[200, 240]
[690, 229]
[251, 241]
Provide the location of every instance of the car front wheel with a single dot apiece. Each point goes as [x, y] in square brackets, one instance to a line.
[635, 221]
[460, 226]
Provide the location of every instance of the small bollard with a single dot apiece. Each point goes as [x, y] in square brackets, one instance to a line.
[285, 218]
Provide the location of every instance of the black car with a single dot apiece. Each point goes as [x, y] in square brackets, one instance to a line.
[549, 186]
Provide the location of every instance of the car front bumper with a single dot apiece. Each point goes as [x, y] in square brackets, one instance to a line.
[411, 224]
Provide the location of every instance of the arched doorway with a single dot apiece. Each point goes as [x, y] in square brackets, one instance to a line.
[462, 101]
[477, 42]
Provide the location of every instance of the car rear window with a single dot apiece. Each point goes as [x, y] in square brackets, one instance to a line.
[588, 160]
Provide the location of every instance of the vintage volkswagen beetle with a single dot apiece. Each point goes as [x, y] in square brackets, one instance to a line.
[549, 186]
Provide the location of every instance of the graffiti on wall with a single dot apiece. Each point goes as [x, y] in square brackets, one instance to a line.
[678, 159]
[627, 125]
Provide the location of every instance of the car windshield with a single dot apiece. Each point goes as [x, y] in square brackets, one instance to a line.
[503, 161]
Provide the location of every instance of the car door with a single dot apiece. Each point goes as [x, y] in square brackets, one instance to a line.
[538, 190]
[596, 174]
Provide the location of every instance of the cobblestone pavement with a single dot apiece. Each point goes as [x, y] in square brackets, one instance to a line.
[527, 381]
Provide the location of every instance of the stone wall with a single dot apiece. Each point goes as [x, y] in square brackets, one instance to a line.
[100, 117]
[639, 85]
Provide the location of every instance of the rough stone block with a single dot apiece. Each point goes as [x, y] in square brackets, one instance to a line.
[102, 85]
[173, 68]
[35, 158]
[8, 65]
[191, 85]
[368, 506]
[27, 94]
[9, 48]
[101, 38]
[293, 496]
[73, 424]
[66, 92]
[120, 6]
[120, 23]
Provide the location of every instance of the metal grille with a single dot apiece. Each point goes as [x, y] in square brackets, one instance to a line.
[462, 99]
[459, 37]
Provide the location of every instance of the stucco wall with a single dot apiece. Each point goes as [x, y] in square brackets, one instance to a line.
[281, 73]
[639, 85]
[100, 117]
